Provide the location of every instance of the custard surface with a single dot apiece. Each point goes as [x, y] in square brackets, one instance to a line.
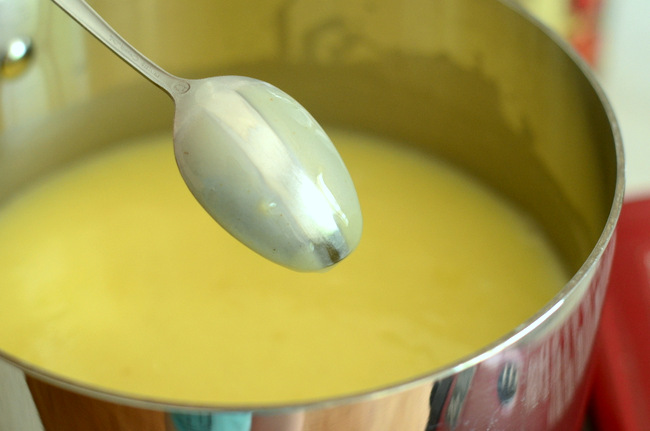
[111, 274]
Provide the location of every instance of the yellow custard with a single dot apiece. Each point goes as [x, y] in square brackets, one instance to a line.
[112, 274]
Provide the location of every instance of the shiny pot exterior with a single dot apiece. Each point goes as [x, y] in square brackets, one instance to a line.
[475, 82]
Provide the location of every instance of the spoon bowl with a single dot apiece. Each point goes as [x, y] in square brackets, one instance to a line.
[262, 167]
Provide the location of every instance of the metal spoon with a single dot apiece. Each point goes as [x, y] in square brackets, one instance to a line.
[254, 158]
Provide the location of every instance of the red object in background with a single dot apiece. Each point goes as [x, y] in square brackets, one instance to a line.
[621, 391]
[585, 27]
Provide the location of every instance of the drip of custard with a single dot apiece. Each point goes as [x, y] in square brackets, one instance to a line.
[112, 275]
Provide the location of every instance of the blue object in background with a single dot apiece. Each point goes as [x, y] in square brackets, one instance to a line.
[212, 421]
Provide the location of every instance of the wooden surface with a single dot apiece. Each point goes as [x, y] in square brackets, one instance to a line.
[62, 410]
[405, 411]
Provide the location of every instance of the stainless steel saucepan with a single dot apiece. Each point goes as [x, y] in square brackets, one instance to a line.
[475, 82]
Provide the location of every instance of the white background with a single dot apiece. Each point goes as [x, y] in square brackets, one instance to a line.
[624, 73]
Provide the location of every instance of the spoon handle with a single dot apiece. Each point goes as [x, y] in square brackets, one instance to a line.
[81, 12]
